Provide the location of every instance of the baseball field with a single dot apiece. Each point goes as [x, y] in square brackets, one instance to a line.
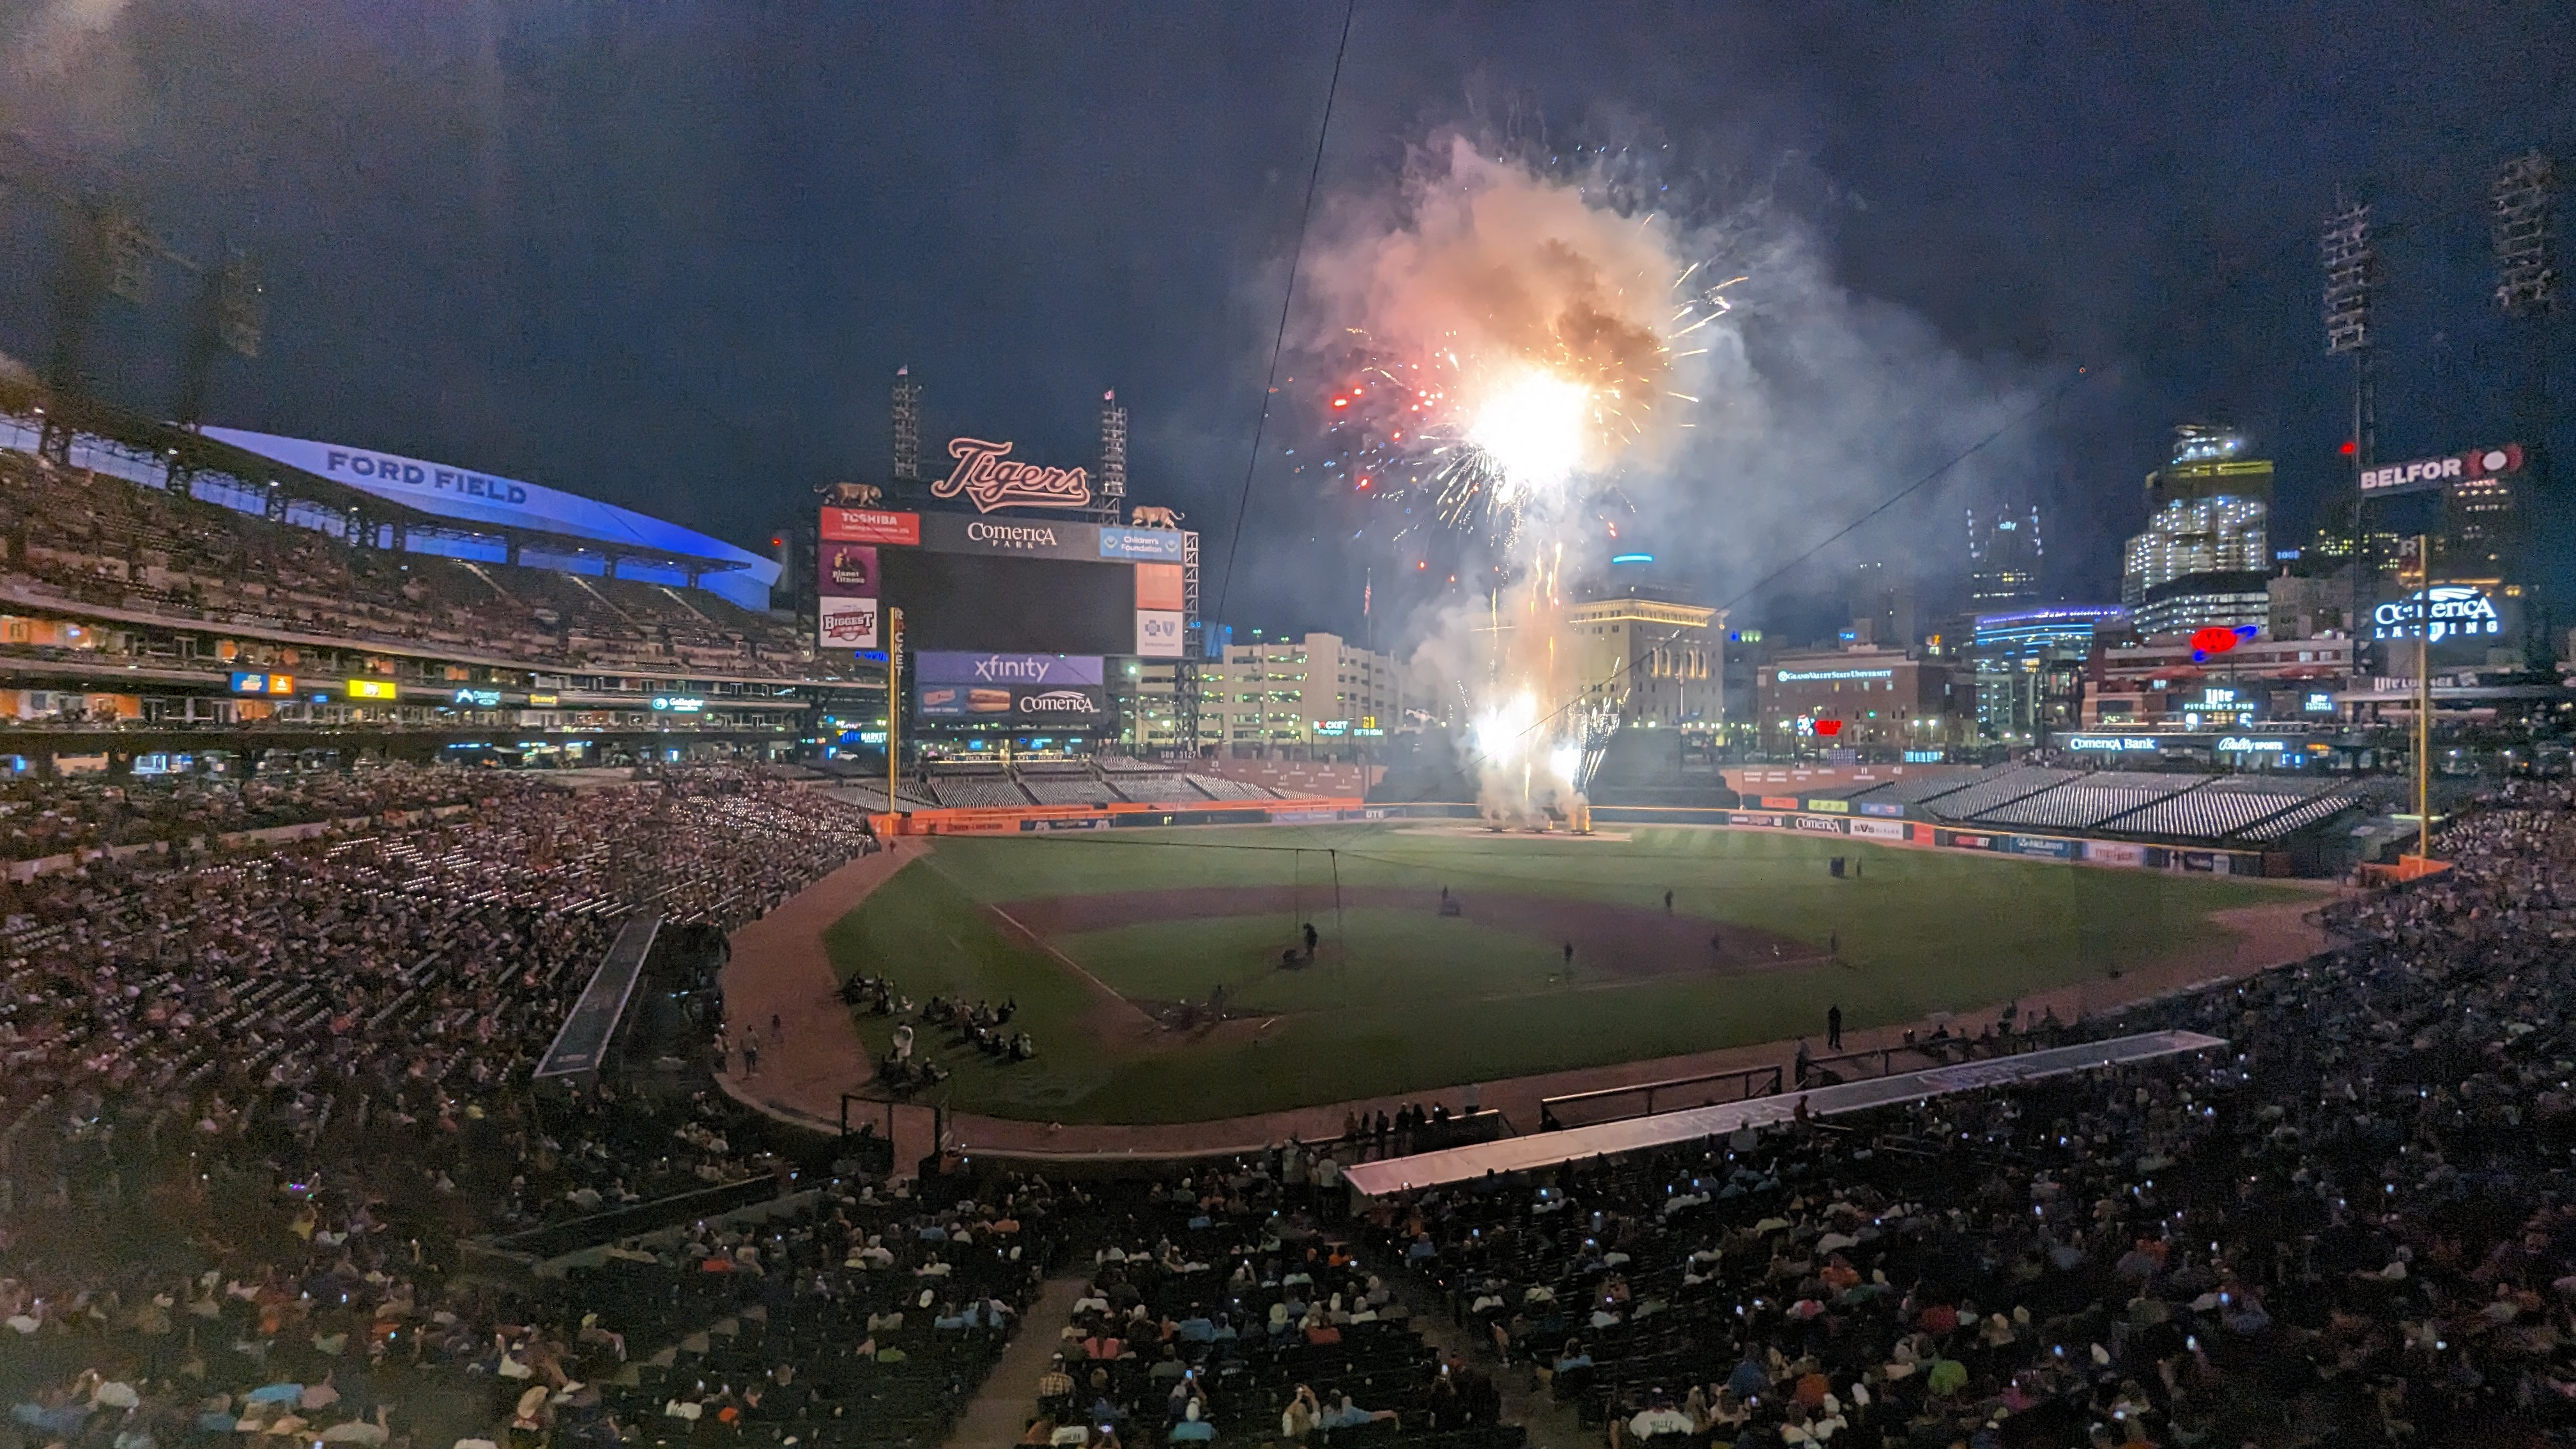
[1164, 975]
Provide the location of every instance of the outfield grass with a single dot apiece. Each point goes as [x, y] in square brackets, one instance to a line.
[1406, 1001]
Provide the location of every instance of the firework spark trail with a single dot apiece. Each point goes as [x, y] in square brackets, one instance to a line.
[1503, 343]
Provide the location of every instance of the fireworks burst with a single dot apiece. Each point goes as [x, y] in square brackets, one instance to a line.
[1483, 435]
[1502, 344]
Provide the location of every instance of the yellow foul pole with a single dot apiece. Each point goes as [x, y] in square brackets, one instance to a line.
[894, 707]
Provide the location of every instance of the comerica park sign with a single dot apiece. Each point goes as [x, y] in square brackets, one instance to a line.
[2441, 612]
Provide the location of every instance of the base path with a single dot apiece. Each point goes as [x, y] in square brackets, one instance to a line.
[780, 968]
[782, 959]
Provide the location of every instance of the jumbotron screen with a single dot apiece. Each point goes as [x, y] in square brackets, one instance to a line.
[1026, 605]
[974, 582]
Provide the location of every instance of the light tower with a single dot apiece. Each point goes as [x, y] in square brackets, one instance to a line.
[907, 429]
[2527, 291]
[2351, 256]
[2526, 283]
[1109, 499]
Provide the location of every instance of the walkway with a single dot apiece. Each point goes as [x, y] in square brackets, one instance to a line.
[1009, 1397]
[781, 959]
[1698, 1124]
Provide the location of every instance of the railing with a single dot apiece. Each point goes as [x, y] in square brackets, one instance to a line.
[611, 1224]
[1768, 1079]
[1811, 1070]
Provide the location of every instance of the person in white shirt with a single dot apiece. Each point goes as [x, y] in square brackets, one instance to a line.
[1658, 1417]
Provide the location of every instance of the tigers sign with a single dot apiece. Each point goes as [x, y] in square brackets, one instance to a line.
[987, 477]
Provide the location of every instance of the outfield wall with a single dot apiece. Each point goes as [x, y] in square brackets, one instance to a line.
[1046, 819]
[1796, 817]
[1781, 813]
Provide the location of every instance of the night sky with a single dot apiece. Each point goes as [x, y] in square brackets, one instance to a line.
[669, 255]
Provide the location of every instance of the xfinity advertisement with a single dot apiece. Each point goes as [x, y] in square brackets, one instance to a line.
[1052, 691]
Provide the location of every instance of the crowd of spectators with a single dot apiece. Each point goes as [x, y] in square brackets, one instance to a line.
[45, 817]
[1223, 1305]
[251, 1104]
[100, 539]
[291, 1083]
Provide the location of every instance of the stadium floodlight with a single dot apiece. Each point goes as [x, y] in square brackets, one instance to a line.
[907, 426]
[2526, 284]
[241, 306]
[2350, 253]
[127, 251]
[2351, 257]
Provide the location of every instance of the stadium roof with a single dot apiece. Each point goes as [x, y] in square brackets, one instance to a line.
[1665, 1129]
[445, 491]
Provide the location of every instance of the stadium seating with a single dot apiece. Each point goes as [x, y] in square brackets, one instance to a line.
[1994, 788]
[976, 788]
[2089, 802]
[1919, 789]
[92, 537]
[1067, 790]
[1218, 787]
[2213, 810]
[2322, 807]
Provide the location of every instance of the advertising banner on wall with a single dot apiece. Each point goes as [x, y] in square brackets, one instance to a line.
[1143, 545]
[1160, 586]
[2112, 852]
[1069, 707]
[1878, 830]
[953, 667]
[1011, 537]
[870, 525]
[849, 571]
[847, 623]
[1158, 633]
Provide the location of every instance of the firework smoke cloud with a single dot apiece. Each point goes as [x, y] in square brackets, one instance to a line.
[1522, 366]
[1506, 337]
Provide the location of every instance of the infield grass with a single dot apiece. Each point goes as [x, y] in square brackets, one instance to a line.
[1407, 1001]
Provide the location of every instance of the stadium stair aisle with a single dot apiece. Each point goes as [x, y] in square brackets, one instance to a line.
[1526, 1402]
[1009, 1398]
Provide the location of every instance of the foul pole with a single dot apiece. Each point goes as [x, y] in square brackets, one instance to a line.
[894, 707]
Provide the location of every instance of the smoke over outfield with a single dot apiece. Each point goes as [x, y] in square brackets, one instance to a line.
[1519, 332]
[1488, 267]
[1739, 406]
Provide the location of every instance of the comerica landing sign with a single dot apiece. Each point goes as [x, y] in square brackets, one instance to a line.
[2451, 609]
